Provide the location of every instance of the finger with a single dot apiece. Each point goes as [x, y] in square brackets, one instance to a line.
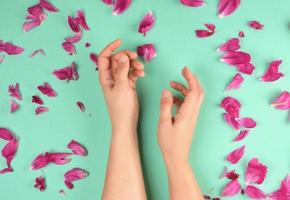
[136, 64]
[179, 87]
[110, 48]
[120, 67]
[131, 54]
[166, 106]
[190, 78]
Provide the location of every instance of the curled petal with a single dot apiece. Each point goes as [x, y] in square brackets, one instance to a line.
[41, 109]
[37, 12]
[241, 135]
[236, 155]
[282, 102]
[272, 73]
[232, 175]
[30, 25]
[146, 23]
[121, 6]
[231, 106]
[40, 183]
[38, 51]
[231, 189]
[94, 58]
[254, 193]
[283, 192]
[74, 39]
[69, 47]
[67, 73]
[205, 33]
[147, 52]
[247, 122]
[8, 152]
[81, 106]
[227, 7]
[241, 34]
[256, 25]
[231, 120]
[14, 106]
[40, 161]
[109, 2]
[48, 6]
[47, 90]
[231, 45]
[236, 58]
[77, 148]
[255, 172]
[74, 174]
[192, 3]
[37, 99]
[246, 68]
[82, 20]
[12, 49]
[73, 23]
[6, 134]
[14, 91]
[235, 82]
[59, 158]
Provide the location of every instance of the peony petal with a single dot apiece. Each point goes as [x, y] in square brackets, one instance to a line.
[48, 6]
[82, 20]
[14, 106]
[69, 47]
[247, 122]
[67, 73]
[121, 6]
[74, 39]
[47, 90]
[59, 158]
[236, 58]
[14, 91]
[283, 193]
[282, 102]
[232, 175]
[37, 12]
[147, 52]
[37, 99]
[246, 68]
[231, 45]
[8, 152]
[236, 155]
[40, 161]
[192, 3]
[94, 58]
[256, 25]
[41, 109]
[231, 120]
[255, 172]
[12, 49]
[205, 33]
[227, 7]
[77, 148]
[74, 174]
[30, 25]
[146, 23]
[231, 106]
[39, 51]
[73, 23]
[81, 106]
[272, 73]
[254, 193]
[40, 183]
[241, 34]
[241, 135]
[109, 2]
[231, 189]
[236, 82]
[6, 134]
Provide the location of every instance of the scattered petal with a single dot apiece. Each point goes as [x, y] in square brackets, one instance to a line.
[205, 33]
[109, 2]
[82, 20]
[77, 148]
[40, 161]
[67, 73]
[227, 7]
[192, 3]
[246, 68]
[41, 109]
[146, 23]
[231, 106]
[272, 73]
[256, 25]
[30, 25]
[48, 6]
[236, 155]
[241, 135]
[69, 47]
[14, 106]
[8, 152]
[39, 51]
[232, 175]
[231, 45]
[241, 34]
[59, 158]
[47, 90]
[231, 189]
[236, 82]
[94, 58]
[14, 91]
[12, 49]
[37, 99]
[147, 52]
[254, 193]
[73, 23]
[40, 183]
[74, 174]
[247, 122]
[6, 134]
[74, 39]
[236, 58]
[231, 120]
[43, 160]
[282, 102]
[81, 106]
[121, 6]
[283, 193]
[255, 172]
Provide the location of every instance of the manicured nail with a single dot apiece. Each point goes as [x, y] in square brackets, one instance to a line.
[123, 59]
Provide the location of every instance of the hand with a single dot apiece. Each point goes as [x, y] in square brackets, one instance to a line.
[118, 74]
[175, 133]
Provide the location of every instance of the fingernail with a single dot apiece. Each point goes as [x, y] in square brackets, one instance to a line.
[165, 94]
[123, 59]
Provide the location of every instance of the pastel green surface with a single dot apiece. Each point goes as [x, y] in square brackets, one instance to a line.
[177, 46]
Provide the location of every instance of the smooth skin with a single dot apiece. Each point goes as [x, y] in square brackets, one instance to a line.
[118, 73]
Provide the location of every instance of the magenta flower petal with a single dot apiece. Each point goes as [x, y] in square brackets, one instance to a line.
[59, 158]
[40, 161]
[40, 183]
[121, 6]
[231, 120]
[192, 3]
[227, 7]
[36, 99]
[246, 68]
[241, 34]
[82, 20]
[236, 155]
[283, 192]
[272, 73]
[36, 12]
[14, 91]
[12, 49]
[77, 148]
[8, 152]
[94, 58]
[147, 52]
[73, 23]
[38, 51]
[47, 90]
[69, 47]
[232, 175]
[48, 6]
[30, 25]
[247, 122]
[81, 106]
[67, 73]
[74, 39]
[255, 172]
[146, 23]
[231, 106]
[235, 82]
[205, 33]
[109, 2]
[6, 134]
[74, 174]
[231, 45]
[41, 109]
[256, 25]
[254, 193]
[241, 135]
[236, 58]
[14, 106]
[231, 189]
[282, 102]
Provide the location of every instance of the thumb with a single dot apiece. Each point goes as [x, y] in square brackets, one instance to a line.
[166, 106]
[122, 66]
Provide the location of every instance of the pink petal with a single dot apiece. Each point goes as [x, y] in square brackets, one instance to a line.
[74, 39]
[255, 172]
[246, 68]
[40, 183]
[59, 158]
[69, 47]
[37, 12]
[192, 3]
[121, 6]
[283, 193]
[74, 24]
[231, 45]
[282, 102]
[12, 49]
[66, 73]
[30, 25]
[241, 34]
[236, 155]
[46, 89]
[94, 58]
[232, 175]
[74, 174]
[82, 20]
[40, 161]
[81, 106]
[231, 120]
[146, 23]
[37, 99]
[108, 2]
[236, 82]
[231, 106]
[205, 33]
[256, 25]
[77, 148]
[231, 189]
[227, 7]
[147, 52]
[6, 134]
[48, 6]
[272, 73]
[8, 152]
[39, 51]
[254, 193]
[247, 122]
[41, 109]
[14, 91]
[236, 58]
[241, 135]
[14, 106]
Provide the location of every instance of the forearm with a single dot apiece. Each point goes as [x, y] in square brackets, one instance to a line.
[182, 182]
[124, 179]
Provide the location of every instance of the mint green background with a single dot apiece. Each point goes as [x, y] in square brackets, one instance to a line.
[177, 46]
